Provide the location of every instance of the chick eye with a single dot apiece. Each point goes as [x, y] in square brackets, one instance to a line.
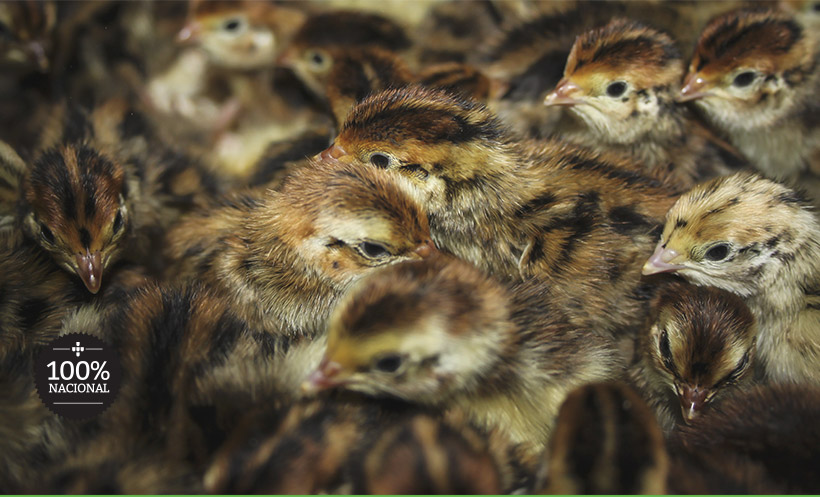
[117, 222]
[232, 25]
[46, 233]
[666, 353]
[373, 250]
[744, 79]
[616, 89]
[717, 252]
[388, 364]
[380, 160]
[317, 59]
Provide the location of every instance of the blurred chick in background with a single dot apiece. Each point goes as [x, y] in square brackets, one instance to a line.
[606, 440]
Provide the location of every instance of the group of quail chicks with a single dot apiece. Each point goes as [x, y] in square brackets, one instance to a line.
[415, 247]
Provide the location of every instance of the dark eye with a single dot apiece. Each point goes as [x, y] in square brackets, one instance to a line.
[373, 250]
[744, 79]
[46, 233]
[232, 24]
[717, 252]
[317, 58]
[380, 160]
[117, 222]
[616, 89]
[735, 374]
[388, 364]
[666, 353]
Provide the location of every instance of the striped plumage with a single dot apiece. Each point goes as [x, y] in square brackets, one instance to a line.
[563, 213]
[607, 441]
[344, 443]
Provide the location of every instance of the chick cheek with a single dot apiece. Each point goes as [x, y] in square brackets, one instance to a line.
[89, 268]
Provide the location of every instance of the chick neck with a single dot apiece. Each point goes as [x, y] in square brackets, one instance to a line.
[276, 287]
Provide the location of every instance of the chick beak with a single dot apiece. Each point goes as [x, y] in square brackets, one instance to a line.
[323, 377]
[285, 59]
[659, 262]
[426, 249]
[89, 268]
[693, 88]
[561, 95]
[190, 32]
[692, 401]
[332, 154]
[37, 53]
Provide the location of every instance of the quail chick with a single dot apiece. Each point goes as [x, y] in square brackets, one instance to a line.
[578, 219]
[311, 53]
[240, 35]
[700, 347]
[95, 195]
[439, 333]
[606, 441]
[754, 76]
[327, 225]
[757, 441]
[757, 239]
[620, 85]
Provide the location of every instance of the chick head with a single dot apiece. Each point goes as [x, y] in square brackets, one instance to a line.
[613, 78]
[348, 220]
[733, 233]
[432, 137]
[323, 37]
[75, 208]
[238, 35]
[419, 331]
[702, 342]
[746, 66]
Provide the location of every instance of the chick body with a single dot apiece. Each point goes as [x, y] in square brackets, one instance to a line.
[442, 334]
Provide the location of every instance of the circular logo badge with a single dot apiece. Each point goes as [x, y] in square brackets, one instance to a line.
[77, 375]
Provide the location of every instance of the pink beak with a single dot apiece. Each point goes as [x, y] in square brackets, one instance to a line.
[561, 94]
[659, 261]
[693, 88]
[323, 377]
[332, 153]
[190, 32]
[426, 249]
[692, 401]
[89, 268]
